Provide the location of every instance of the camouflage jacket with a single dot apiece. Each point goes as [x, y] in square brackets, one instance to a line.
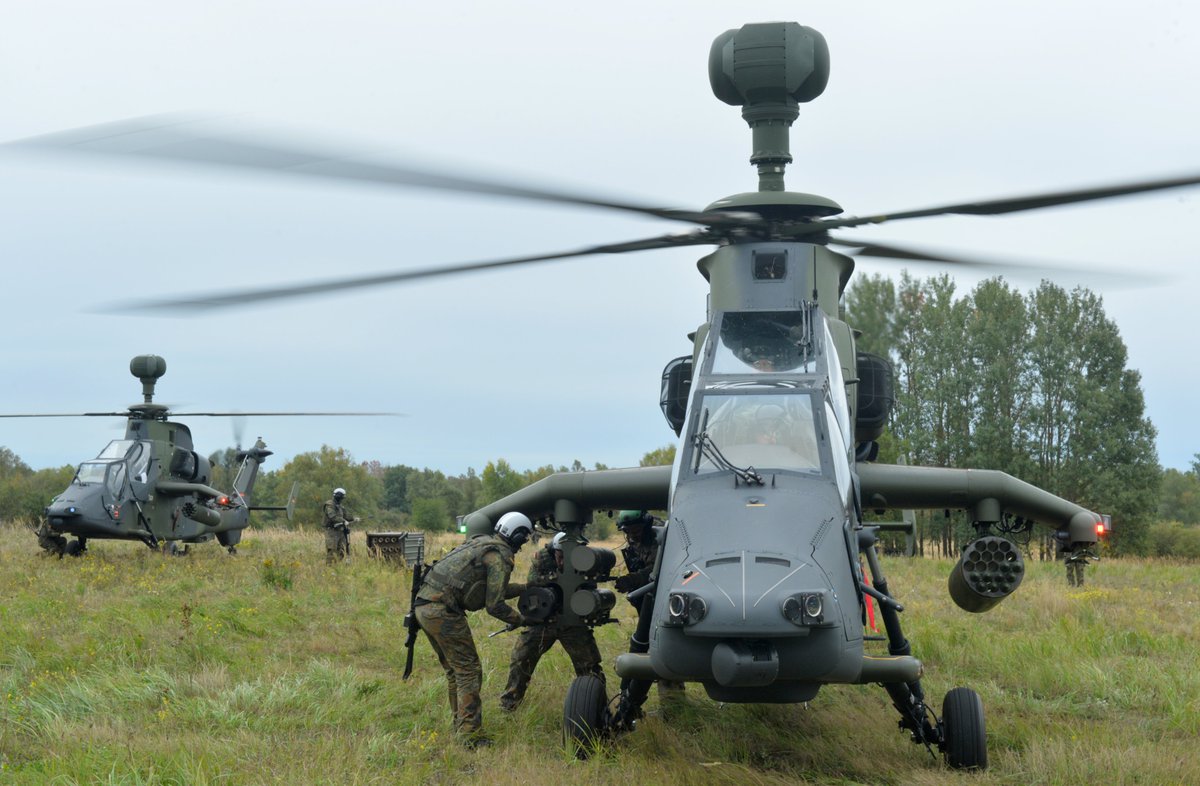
[336, 514]
[639, 561]
[544, 569]
[474, 576]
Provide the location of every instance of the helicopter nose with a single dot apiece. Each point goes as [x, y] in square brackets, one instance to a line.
[62, 515]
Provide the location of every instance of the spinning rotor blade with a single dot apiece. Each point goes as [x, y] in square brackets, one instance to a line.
[892, 251]
[289, 414]
[995, 207]
[200, 303]
[171, 139]
[72, 415]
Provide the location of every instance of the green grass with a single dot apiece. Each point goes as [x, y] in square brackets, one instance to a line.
[127, 667]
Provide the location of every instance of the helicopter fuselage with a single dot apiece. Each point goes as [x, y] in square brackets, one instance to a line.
[757, 581]
[152, 486]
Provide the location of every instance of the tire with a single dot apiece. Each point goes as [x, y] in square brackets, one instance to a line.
[965, 737]
[583, 715]
[74, 548]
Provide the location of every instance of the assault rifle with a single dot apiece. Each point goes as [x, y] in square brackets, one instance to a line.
[410, 619]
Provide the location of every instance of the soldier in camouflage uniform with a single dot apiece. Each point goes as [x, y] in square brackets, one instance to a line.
[640, 550]
[536, 640]
[473, 576]
[337, 527]
[640, 553]
[50, 540]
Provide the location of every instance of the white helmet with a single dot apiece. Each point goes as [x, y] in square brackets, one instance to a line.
[339, 491]
[557, 542]
[515, 528]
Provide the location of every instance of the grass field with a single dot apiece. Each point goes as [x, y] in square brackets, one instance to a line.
[127, 667]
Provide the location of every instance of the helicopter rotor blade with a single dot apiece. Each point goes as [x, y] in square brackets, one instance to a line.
[177, 139]
[71, 415]
[889, 250]
[198, 303]
[289, 414]
[996, 207]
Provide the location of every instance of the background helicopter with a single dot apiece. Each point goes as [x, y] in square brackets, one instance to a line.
[655, 485]
[152, 486]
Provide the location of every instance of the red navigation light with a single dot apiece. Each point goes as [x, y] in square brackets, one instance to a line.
[223, 500]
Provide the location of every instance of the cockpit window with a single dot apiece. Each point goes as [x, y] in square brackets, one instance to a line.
[116, 449]
[764, 431]
[91, 472]
[765, 342]
[139, 461]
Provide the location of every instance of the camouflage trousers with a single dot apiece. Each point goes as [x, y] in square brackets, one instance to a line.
[534, 642]
[337, 544]
[1075, 570]
[450, 636]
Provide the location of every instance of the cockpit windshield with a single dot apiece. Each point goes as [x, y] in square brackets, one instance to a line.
[764, 431]
[91, 472]
[116, 449]
[137, 454]
[765, 342]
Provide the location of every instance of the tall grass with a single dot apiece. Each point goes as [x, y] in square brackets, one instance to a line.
[127, 667]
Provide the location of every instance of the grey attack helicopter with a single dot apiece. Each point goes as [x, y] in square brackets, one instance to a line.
[152, 486]
[757, 593]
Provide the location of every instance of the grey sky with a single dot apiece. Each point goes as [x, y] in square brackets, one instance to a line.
[928, 102]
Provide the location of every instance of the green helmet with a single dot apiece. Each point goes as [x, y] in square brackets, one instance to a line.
[629, 517]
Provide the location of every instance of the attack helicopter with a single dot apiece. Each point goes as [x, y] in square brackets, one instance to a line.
[758, 593]
[152, 486]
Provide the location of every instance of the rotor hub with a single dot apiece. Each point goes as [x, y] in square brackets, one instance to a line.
[779, 205]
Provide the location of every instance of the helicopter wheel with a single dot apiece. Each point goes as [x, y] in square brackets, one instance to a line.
[583, 715]
[75, 548]
[172, 548]
[965, 738]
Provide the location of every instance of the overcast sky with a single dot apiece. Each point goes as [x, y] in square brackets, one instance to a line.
[928, 102]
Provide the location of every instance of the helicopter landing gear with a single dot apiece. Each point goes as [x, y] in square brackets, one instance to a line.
[231, 549]
[75, 548]
[964, 737]
[172, 548]
[585, 713]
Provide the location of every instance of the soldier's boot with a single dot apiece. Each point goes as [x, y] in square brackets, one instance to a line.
[514, 692]
[476, 741]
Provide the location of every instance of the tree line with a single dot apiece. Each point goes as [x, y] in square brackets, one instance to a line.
[1034, 384]
[1031, 383]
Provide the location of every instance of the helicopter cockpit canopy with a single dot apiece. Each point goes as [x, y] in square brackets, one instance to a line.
[120, 458]
[769, 430]
[765, 342]
[773, 396]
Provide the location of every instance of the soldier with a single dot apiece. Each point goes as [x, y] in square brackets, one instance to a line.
[640, 553]
[337, 527]
[50, 540]
[471, 577]
[536, 640]
[640, 550]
